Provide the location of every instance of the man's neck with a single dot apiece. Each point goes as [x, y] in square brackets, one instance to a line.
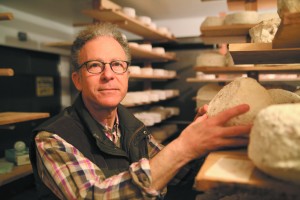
[104, 116]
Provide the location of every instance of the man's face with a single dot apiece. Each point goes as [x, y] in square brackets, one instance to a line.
[107, 89]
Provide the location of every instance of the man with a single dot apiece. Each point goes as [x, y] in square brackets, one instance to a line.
[96, 149]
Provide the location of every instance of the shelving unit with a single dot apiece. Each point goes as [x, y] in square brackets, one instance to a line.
[284, 49]
[15, 117]
[144, 104]
[6, 16]
[128, 23]
[152, 78]
[6, 72]
[17, 173]
[226, 33]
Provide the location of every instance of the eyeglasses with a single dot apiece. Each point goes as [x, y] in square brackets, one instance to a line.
[96, 66]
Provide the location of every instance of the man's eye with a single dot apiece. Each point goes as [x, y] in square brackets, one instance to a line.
[117, 64]
[95, 65]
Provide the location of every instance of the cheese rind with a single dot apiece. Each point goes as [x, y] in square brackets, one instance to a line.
[274, 142]
[240, 91]
[265, 31]
[245, 17]
[281, 96]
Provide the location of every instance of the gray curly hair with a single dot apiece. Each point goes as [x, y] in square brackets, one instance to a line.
[93, 31]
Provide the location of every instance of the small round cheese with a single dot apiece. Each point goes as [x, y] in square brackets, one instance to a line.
[213, 21]
[274, 142]
[240, 91]
[211, 59]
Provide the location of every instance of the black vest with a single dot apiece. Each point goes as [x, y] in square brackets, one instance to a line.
[76, 126]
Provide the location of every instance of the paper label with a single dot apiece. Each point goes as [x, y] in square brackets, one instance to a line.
[231, 169]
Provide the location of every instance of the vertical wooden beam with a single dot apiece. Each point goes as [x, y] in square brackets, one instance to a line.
[96, 5]
[251, 5]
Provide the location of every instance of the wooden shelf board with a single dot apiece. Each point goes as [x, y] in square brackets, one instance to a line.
[224, 39]
[15, 117]
[128, 23]
[6, 16]
[64, 45]
[287, 35]
[137, 53]
[17, 173]
[263, 53]
[226, 30]
[153, 78]
[263, 69]
[225, 80]
[6, 72]
[246, 175]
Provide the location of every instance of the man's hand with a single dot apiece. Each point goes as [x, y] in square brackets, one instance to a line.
[207, 134]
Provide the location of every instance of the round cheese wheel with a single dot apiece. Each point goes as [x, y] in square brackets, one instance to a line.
[206, 93]
[281, 96]
[211, 59]
[213, 21]
[242, 90]
[245, 17]
[274, 142]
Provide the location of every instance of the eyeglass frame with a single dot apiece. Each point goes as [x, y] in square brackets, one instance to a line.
[104, 65]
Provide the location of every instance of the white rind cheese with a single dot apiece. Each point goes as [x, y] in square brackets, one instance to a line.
[287, 6]
[240, 91]
[211, 59]
[213, 21]
[245, 17]
[265, 31]
[274, 142]
[281, 96]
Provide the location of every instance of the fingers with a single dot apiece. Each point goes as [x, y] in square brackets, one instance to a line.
[228, 114]
[201, 111]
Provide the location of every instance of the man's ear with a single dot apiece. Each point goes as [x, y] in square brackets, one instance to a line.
[76, 78]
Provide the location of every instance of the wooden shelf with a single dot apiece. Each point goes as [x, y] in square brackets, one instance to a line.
[128, 23]
[6, 16]
[152, 78]
[137, 53]
[227, 80]
[226, 30]
[261, 69]
[287, 35]
[17, 173]
[239, 173]
[6, 72]
[15, 117]
[141, 54]
[263, 53]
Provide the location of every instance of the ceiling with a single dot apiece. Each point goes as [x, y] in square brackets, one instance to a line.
[68, 12]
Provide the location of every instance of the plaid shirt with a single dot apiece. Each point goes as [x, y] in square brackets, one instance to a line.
[72, 176]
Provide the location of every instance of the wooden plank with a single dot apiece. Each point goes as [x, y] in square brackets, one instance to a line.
[224, 39]
[6, 16]
[287, 35]
[234, 169]
[15, 117]
[226, 30]
[137, 53]
[263, 53]
[217, 80]
[153, 78]
[6, 72]
[17, 173]
[243, 69]
[239, 5]
[129, 24]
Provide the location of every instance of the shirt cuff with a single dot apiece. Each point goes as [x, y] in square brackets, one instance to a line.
[141, 176]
